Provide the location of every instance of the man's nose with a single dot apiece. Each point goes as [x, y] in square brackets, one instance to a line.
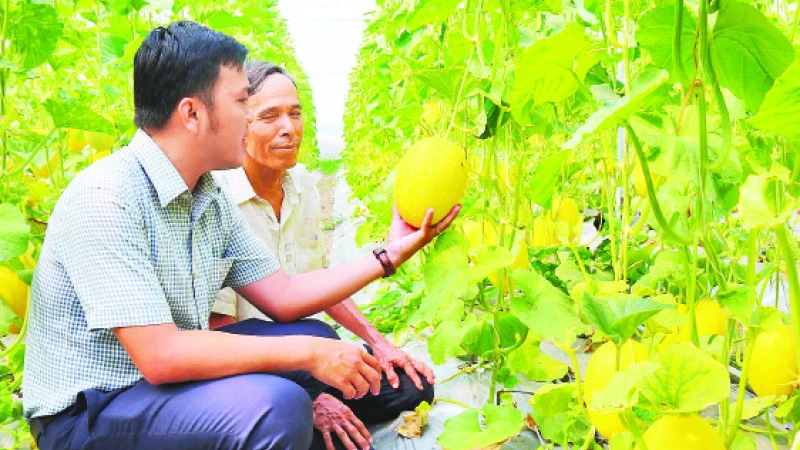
[287, 127]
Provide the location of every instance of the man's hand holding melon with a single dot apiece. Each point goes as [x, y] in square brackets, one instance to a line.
[431, 179]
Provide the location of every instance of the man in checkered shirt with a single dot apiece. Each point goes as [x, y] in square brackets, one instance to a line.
[119, 355]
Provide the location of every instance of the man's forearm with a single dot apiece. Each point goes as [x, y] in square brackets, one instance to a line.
[204, 355]
[349, 316]
[286, 299]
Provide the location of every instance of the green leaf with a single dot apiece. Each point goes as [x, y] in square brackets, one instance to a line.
[552, 399]
[16, 232]
[445, 81]
[618, 316]
[766, 318]
[510, 330]
[535, 365]
[642, 88]
[764, 200]
[544, 308]
[521, 7]
[655, 34]
[72, 114]
[788, 411]
[753, 407]
[445, 342]
[622, 392]
[481, 339]
[464, 431]
[688, 380]
[556, 413]
[449, 275]
[739, 301]
[36, 32]
[113, 48]
[750, 52]
[780, 112]
[544, 181]
[744, 441]
[431, 11]
[6, 401]
[548, 70]
[219, 20]
[622, 441]
[489, 260]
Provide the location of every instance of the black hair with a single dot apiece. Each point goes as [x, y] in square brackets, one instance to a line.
[179, 61]
[258, 71]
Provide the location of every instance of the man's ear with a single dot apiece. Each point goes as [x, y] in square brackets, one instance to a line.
[189, 113]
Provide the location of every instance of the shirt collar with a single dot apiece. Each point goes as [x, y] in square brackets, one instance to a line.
[166, 180]
[240, 189]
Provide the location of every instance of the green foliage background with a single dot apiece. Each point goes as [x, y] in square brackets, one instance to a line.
[679, 138]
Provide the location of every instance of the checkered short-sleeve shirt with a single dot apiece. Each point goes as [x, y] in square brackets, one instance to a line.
[128, 245]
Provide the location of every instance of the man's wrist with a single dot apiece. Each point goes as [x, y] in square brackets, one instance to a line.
[395, 255]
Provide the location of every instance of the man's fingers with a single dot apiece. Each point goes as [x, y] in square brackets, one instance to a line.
[412, 373]
[362, 429]
[355, 434]
[427, 221]
[372, 377]
[449, 218]
[372, 361]
[348, 444]
[348, 391]
[391, 375]
[424, 370]
[326, 436]
[361, 384]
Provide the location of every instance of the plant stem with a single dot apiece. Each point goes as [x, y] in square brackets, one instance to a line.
[737, 418]
[629, 420]
[577, 371]
[626, 63]
[582, 266]
[468, 369]
[770, 430]
[460, 92]
[611, 211]
[794, 284]
[449, 400]
[690, 269]
[651, 195]
[677, 34]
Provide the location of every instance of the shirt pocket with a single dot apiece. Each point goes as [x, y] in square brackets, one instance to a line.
[308, 255]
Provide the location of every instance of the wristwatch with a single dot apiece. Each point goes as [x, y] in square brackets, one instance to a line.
[383, 257]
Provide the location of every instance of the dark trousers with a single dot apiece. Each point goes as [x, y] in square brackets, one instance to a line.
[253, 411]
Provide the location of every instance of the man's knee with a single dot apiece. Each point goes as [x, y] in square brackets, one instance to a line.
[407, 397]
[282, 419]
[413, 396]
[314, 327]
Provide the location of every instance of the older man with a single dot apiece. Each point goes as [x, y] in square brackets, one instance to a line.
[281, 203]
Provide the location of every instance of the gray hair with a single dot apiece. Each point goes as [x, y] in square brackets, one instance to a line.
[258, 71]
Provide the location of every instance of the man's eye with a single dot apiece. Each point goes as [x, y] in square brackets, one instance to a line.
[269, 118]
[296, 114]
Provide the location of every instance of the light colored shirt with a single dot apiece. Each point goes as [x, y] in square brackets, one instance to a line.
[295, 239]
[128, 245]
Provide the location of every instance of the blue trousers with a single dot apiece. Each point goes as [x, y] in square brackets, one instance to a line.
[253, 411]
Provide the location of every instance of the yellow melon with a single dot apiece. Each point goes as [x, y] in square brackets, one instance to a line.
[432, 174]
